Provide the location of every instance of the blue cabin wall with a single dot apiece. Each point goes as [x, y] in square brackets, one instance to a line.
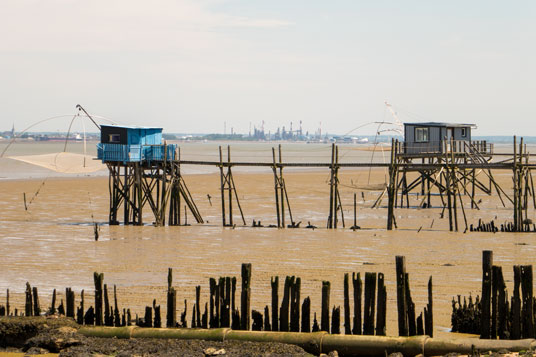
[132, 144]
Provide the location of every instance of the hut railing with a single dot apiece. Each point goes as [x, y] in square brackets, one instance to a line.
[135, 153]
[437, 147]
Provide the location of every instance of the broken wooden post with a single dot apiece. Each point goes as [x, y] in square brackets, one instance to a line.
[369, 304]
[487, 262]
[245, 297]
[324, 321]
[401, 296]
[98, 279]
[347, 324]
[306, 315]
[357, 285]
[171, 305]
[275, 303]
[381, 315]
[36, 307]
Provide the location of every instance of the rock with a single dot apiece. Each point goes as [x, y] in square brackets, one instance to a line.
[396, 354]
[36, 351]
[333, 354]
[211, 351]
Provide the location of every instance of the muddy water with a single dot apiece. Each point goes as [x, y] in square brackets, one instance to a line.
[52, 246]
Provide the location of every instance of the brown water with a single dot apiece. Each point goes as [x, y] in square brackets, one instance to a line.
[52, 246]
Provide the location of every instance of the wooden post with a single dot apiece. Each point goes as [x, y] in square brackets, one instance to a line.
[198, 305]
[369, 306]
[284, 312]
[381, 316]
[331, 189]
[503, 314]
[324, 322]
[391, 189]
[171, 314]
[412, 329]
[222, 188]
[28, 306]
[276, 190]
[212, 286]
[487, 263]
[516, 227]
[401, 296]
[267, 326]
[275, 303]
[528, 301]
[98, 279]
[306, 315]
[357, 285]
[245, 297]
[295, 305]
[36, 306]
[429, 312]
[516, 305]
[347, 323]
[281, 188]
[336, 320]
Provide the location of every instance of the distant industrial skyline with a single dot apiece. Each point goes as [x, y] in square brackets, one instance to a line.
[197, 66]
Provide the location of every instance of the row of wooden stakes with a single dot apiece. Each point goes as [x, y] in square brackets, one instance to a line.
[493, 315]
[287, 314]
[527, 226]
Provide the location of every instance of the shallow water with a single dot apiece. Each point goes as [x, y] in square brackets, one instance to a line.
[52, 246]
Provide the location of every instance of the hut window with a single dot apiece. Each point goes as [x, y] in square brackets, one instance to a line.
[464, 132]
[115, 138]
[421, 135]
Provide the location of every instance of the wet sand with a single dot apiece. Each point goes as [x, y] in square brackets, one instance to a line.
[52, 245]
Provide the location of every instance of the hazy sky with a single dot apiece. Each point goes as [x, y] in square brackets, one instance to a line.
[190, 66]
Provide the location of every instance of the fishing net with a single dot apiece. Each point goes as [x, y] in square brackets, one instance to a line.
[64, 162]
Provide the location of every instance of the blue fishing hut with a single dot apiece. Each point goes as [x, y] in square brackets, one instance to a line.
[133, 144]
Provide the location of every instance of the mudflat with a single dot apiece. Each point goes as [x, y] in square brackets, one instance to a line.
[51, 244]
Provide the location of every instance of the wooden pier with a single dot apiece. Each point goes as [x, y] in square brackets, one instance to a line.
[455, 173]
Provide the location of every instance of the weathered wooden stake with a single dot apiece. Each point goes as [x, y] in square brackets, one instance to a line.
[275, 303]
[245, 297]
[401, 296]
[324, 320]
[487, 263]
[357, 285]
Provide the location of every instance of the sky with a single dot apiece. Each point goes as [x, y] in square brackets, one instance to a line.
[199, 66]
